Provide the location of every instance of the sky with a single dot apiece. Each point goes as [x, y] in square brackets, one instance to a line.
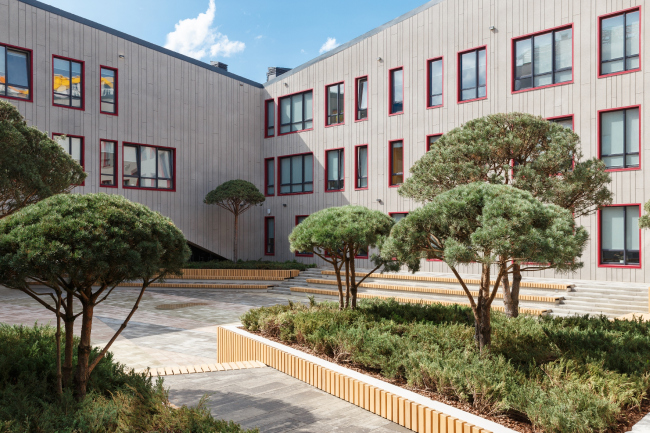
[248, 35]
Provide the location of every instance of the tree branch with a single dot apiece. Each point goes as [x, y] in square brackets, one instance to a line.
[467, 292]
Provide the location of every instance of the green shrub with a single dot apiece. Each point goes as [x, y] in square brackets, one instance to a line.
[568, 375]
[250, 264]
[117, 399]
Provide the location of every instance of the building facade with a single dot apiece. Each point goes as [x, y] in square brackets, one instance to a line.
[163, 129]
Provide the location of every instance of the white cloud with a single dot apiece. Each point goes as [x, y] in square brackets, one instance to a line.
[330, 44]
[196, 37]
[259, 37]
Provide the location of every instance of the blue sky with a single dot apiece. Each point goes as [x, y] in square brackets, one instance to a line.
[248, 35]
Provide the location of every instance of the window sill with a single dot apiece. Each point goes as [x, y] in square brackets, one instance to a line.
[611, 170]
[394, 186]
[435, 260]
[434, 106]
[149, 189]
[68, 107]
[613, 74]
[269, 254]
[108, 186]
[472, 100]
[295, 132]
[395, 114]
[335, 190]
[361, 189]
[107, 113]
[269, 136]
[304, 255]
[13, 98]
[514, 92]
[361, 257]
[295, 193]
[600, 265]
[361, 120]
[334, 124]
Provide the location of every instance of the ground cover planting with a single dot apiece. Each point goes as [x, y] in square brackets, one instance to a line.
[250, 264]
[581, 374]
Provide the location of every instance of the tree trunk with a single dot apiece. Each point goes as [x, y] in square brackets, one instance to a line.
[353, 284]
[511, 296]
[483, 329]
[340, 286]
[83, 352]
[59, 375]
[68, 352]
[235, 237]
[347, 282]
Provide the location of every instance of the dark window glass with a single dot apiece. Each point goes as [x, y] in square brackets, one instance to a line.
[72, 145]
[362, 167]
[335, 173]
[432, 139]
[270, 177]
[619, 138]
[108, 88]
[435, 83]
[362, 98]
[269, 234]
[619, 234]
[619, 43]
[335, 104]
[473, 75]
[396, 163]
[399, 216]
[396, 91]
[544, 59]
[107, 166]
[270, 118]
[67, 83]
[296, 112]
[148, 167]
[14, 73]
[567, 122]
[296, 174]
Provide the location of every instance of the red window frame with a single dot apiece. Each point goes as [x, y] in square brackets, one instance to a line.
[390, 94]
[428, 146]
[459, 75]
[296, 252]
[513, 41]
[83, 83]
[327, 102]
[30, 72]
[278, 174]
[600, 112]
[429, 62]
[277, 118]
[83, 149]
[266, 118]
[356, 166]
[600, 264]
[266, 235]
[173, 149]
[390, 163]
[117, 92]
[356, 99]
[266, 177]
[117, 168]
[600, 27]
[326, 167]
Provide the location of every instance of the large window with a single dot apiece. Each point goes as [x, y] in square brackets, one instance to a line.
[396, 162]
[335, 100]
[473, 75]
[334, 170]
[396, 84]
[296, 174]
[269, 176]
[269, 118]
[619, 138]
[432, 139]
[619, 236]
[300, 219]
[361, 99]
[296, 112]
[108, 163]
[148, 167]
[620, 43]
[543, 59]
[361, 167]
[108, 89]
[15, 71]
[68, 83]
[269, 236]
[434, 83]
[72, 144]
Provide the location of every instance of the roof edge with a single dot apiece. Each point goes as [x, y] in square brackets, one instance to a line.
[355, 41]
[119, 34]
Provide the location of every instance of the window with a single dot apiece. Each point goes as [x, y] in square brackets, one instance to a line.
[567, 122]
[434, 83]
[398, 216]
[335, 104]
[269, 177]
[620, 43]
[296, 174]
[361, 167]
[473, 75]
[148, 167]
[396, 79]
[15, 71]
[334, 170]
[362, 99]
[269, 236]
[108, 89]
[432, 139]
[396, 163]
[619, 236]
[543, 59]
[67, 83]
[619, 138]
[299, 219]
[296, 112]
[108, 163]
[269, 118]
[72, 144]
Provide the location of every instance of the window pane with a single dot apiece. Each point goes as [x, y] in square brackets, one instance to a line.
[567, 123]
[147, 161]
[363, 94]
[296, 108]
[285, 172]
[523, 64]
[107, 159]
[296, 169]
[612, 38]
[148, 183]
[332, 100]
[468, 70]
[632, 228]
[308, 108]
[399, 216]
[285, 111]
[165, 164]
[613, 228]
[63, 142]
[107, 90]
[130, 161]
[308, 168]
[341, 102]
[482, 73]
[612, 130]
[632, 130]
[436, 83]
[17, 70]
[362, 168]
[542, 53]
[76, 81]
[397, 163]
[131, 181]
[270, 115]
[632, 34]
[563, 54]
[332, 165]
[397, 91]
[75, 149]
[3, 69]
[61, 77]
